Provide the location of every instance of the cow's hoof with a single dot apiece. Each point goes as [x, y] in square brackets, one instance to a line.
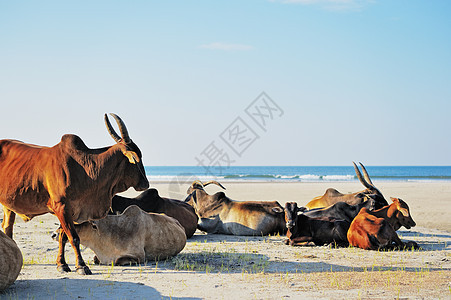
[63, 268]
[84, 270]
[96, 260]
[411, 245]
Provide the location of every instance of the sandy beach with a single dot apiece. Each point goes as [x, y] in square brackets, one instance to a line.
[238, 267]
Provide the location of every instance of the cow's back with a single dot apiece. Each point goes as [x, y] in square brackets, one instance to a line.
[164, 238]
[363, 228]
[339, 210]
[24, 171]
[332, 196]
[10, 261]
[182, 212]
[253, 218]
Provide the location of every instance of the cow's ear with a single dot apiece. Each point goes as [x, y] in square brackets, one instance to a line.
[404, 212]
[394, 199]
[277, 210]
[94, 226]
[132, 157]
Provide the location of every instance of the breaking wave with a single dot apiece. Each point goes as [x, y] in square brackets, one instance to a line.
[251, 177]
[294, 173]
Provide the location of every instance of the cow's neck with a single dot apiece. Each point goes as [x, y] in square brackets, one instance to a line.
[105, 167]
[155, 204]
[387, 212]
[208, 206]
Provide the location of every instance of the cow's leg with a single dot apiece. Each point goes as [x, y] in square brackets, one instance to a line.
[399, 244]
[339, 236]
[411, 245]
[129, 260]
[8, 221]
[301, 241]
[386, 236]
[61, 264]
[69, 229]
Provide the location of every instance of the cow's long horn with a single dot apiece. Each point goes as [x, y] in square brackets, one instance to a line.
[365, 174]
[111, 130]
[214, 182]
[122, 128]
[368, 179]
[197, 182]
[361, 179]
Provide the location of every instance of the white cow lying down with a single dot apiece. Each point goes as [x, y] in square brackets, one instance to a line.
[134, 236]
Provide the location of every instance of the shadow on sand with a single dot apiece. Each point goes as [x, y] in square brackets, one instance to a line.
[215, 238]
[226, 262]
[427, 242]
[65, 288]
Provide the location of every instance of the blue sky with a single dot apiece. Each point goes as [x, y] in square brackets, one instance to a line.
[362, 81]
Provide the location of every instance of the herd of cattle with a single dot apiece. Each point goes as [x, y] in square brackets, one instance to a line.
[79, 186]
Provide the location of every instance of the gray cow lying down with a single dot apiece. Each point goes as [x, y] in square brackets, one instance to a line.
[11, 261]
[132, 237]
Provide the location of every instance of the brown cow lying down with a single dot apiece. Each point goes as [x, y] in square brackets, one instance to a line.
[373, 230]
[220, 214]
[150, 201]
[132, 237]
[332, 196]
[10, 261]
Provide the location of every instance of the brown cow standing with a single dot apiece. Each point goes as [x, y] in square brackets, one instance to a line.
[69, 180]
[373, 230]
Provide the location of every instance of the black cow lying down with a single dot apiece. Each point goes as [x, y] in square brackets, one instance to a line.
[303, 229]
[340, 210]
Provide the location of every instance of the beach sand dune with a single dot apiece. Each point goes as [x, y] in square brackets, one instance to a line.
[237, 267]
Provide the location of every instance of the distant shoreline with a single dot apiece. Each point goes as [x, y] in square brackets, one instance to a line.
[296, 173]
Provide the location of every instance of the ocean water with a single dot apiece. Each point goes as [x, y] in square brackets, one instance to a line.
[296, 173]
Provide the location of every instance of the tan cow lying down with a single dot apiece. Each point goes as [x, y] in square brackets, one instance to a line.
[332, 196]
[220, 214]
[132, 237]
[10, 261]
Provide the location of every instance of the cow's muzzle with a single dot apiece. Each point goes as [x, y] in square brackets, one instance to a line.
[142, 185]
